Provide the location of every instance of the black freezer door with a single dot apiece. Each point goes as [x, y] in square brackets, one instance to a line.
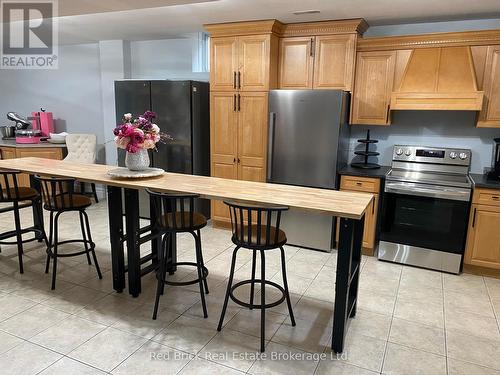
[171, 100]
[131, 97]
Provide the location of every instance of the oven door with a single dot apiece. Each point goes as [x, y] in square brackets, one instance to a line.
[426, 216]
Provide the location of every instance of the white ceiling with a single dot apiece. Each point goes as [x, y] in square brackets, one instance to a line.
[93, 20]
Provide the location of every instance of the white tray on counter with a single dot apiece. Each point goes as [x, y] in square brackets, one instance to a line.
[127, 173]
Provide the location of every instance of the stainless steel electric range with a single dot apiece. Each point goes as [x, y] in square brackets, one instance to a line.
[425, 208]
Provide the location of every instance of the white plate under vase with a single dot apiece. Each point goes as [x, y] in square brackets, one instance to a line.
[127, 173]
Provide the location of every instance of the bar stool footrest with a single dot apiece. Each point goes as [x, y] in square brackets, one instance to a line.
[185, 283]
[66, 255]
[13, 233]
[257, 306]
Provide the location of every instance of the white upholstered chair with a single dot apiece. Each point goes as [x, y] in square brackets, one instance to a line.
[82, 148]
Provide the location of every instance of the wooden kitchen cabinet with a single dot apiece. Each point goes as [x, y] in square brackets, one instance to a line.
[489, 117]
[334, 61]
[239, 140]
[243, 63]
[296, 63]
[319, 62]
[10, 152]
[374, 82]
[224, 60]
[367, 185]
[7, 153]
[483, 237]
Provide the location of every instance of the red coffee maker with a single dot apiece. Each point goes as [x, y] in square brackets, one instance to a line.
[43, 121]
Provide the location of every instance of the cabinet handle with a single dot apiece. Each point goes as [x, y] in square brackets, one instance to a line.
[494, 197]
[239, 160]
[359, 183]
[311, 53]
[474, 218]
[373, 206]
[234, 80]
[388, 112]
[234, 103]
[234, 160]
[239, 80]
[239, 102]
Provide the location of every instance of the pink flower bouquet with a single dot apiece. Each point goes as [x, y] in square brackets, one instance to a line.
[139, 133]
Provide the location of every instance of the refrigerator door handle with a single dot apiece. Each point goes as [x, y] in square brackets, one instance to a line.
[270, 145]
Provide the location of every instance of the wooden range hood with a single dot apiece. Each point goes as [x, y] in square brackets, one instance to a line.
[439, 79]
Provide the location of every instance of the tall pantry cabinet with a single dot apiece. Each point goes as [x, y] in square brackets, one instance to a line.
[244, 60]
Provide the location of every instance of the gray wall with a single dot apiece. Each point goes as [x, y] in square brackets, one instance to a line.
[430, 128]
[72, 92]
[164, 59]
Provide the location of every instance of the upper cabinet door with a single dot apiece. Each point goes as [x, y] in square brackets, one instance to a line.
[334, 60]
[254, 60]
[489, 117]
[252, 136]
[224, 64]
[373, 87]
[296, 63]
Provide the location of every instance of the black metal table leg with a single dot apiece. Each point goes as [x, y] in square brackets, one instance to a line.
[116, 237]
[172, 249]
[37, 208]
[132, 225]
[156, 240]
[346, 286]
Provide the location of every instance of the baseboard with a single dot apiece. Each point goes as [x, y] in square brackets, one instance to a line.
[482, 271]
[220, 224]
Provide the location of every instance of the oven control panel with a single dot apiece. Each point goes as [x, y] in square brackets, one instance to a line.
[432, 155]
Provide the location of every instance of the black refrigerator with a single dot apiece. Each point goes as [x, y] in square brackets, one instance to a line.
[182, 109]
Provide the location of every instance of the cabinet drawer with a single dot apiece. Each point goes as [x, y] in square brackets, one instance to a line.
[369, 185]
[487, 196]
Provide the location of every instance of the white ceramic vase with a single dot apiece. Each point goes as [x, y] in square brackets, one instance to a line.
[137, 161]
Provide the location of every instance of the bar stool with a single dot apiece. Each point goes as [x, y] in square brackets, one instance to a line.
[175, 214]
[59, 198]
[20, 197]
[263, 236]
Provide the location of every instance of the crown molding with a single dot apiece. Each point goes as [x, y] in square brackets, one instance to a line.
[244, 28]
[351, 26]
[455, 39]
[354, 26]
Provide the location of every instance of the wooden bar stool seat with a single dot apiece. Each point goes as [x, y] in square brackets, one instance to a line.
[66, 202]
[19, 194]
[257, 228]
[182, 221]
[175, 213]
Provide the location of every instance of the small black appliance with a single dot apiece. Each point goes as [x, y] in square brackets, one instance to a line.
[494, 174]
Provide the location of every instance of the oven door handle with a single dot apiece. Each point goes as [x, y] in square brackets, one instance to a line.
[427, 191]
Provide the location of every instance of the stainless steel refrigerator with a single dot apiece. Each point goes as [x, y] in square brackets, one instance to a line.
[182, 109]
[308, 144]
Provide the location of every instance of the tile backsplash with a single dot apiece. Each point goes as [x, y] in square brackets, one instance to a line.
[430, 128]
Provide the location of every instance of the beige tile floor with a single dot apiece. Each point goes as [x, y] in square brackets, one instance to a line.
[409, 321]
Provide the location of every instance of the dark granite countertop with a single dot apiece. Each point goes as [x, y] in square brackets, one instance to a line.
[12, 143]
[480, 180]
[375, 173]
